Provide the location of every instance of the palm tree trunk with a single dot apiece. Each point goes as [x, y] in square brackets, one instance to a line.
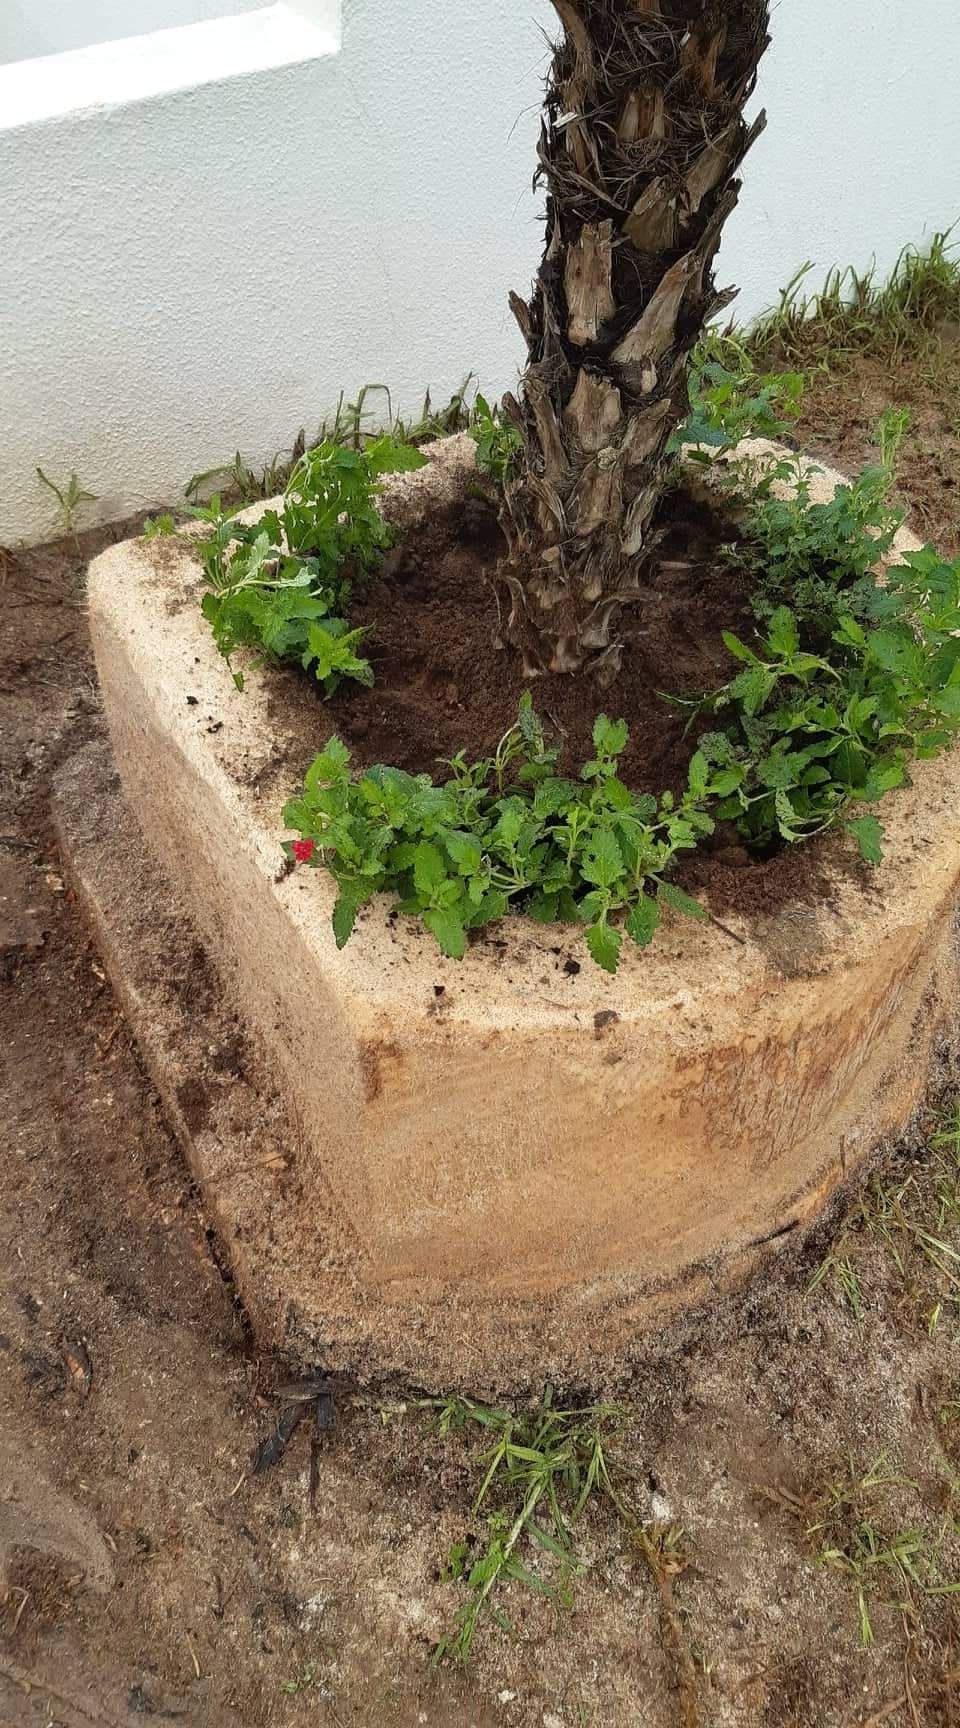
[642, 136]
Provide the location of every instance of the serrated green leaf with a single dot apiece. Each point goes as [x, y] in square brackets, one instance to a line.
[602, 862]
[643, 920]
[738, 649]
[610, 737]
[883, 777]
[429, 869]
[493, 905]
[554, 795]
[895, 651]
[543, 907]
[389, 455]
[329, 767]
[447, 927]
[698, 774]
[781, 769]
[868, 833]
[787, 816]
[464, 849]
[947, 702]
[782, 633]
[752, 688]
[850, 633]
[513, 815]
[604, 945]
[344, 917]
[727, 780]
[680, 900]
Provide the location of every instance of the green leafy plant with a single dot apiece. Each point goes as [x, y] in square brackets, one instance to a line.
[805, 735]
[498, 442]
[70, 498]
[352, 424]
[279, 586]
[841, 689]
[507, 831]
[158, 527]
[540, 1472]
[816, 557]
[730, 401]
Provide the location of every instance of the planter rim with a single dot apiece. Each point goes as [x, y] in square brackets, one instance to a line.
[387, 959]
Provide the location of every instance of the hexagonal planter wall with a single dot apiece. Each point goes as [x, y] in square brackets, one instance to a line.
[522, 1165]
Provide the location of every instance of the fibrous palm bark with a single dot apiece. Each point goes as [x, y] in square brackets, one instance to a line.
[642, 137]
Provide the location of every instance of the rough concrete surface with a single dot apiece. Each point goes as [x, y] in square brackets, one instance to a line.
[499, 1164]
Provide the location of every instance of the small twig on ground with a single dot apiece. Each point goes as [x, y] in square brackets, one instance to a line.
[665, 1553]
[884, 1714]
[734, 937]
[24, 1599]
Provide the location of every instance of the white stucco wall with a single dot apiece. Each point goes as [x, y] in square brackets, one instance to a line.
[204, 268]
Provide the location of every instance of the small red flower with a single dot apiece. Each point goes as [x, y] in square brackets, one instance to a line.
[303, 850]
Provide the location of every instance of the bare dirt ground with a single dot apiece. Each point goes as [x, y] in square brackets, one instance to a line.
[146, 1574]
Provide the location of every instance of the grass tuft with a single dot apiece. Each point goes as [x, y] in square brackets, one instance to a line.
[541, 1470]
[851, 314]
[849, 1536]
[916, 1220]
[351, 424]
[850, 1525]
[856, 313]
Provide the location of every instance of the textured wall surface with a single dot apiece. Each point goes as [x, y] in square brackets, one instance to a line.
[203, 271]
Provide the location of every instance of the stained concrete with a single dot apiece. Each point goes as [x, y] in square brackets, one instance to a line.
[520, 1164]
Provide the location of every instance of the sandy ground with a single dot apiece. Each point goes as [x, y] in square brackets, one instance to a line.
[147, 1573]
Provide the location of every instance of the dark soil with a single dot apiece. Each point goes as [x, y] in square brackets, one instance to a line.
[443, 681]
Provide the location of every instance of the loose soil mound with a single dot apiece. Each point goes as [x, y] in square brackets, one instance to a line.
[443, 682]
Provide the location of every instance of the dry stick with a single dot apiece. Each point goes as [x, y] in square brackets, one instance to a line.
[675, 1643]
[24, 1599]
[733, 935]
[908, 1687]
[884, 1715]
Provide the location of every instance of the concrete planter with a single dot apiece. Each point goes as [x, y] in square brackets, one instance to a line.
[524, 1167]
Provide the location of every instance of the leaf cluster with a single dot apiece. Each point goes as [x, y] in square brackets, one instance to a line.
[730, 401]
[849, 680]
[498, 442]
[506, 832]
[818, 557]
[279, 586]
[803, 736]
